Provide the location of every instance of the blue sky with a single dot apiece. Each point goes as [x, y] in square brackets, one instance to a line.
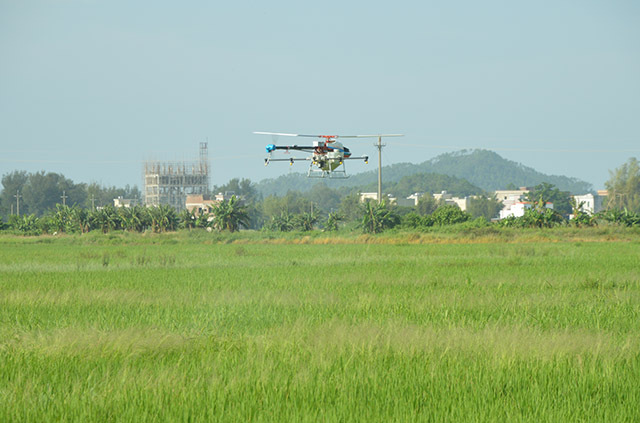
[91, 89]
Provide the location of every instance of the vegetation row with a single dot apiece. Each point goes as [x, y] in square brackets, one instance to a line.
[231, 215]
[319, 208]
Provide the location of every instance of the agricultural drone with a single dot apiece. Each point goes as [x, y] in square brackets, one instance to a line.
[327, 155]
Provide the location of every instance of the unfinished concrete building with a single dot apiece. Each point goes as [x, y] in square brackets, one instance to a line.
[170, 182]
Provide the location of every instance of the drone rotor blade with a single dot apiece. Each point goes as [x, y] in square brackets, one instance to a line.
[297, 135]
[276, 133]
[372, 136]
[331, 136]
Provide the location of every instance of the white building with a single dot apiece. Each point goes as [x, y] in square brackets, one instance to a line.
[450, 200]
[202, 204]
[199, 204]
[410, 201]
[413, 199]
[373, 196]
[591, 203]
[125, 202]
[511, 196]
[462, 203]
[444, 195]
[364, 196]
[518, 209]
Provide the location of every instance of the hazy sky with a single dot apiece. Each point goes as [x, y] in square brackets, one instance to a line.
[93, 88]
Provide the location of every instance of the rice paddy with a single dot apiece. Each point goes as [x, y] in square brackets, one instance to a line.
[194, 328]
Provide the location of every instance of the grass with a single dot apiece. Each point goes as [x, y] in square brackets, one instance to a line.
[398, 327]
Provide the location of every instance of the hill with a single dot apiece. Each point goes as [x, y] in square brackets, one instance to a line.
[490, 171]
[481, 168]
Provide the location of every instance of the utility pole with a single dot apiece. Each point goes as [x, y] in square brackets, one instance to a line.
[64, 198]
[18, 201]
[379, 145]
[93, 203]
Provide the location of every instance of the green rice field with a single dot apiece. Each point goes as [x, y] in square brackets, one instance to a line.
[190, 327]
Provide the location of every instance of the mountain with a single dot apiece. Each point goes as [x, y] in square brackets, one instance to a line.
[490, 171]
[481, 168]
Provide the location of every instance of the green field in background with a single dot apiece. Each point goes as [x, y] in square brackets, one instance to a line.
[179, 328]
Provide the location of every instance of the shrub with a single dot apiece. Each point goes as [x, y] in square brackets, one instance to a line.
[449, 215]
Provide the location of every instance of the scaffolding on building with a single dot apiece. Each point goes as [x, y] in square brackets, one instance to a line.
[169, 183]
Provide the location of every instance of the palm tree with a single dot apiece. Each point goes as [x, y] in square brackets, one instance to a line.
[230, 215]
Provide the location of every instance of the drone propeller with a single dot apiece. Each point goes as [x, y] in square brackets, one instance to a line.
[277, 133]
[372, 136]
[328, 136]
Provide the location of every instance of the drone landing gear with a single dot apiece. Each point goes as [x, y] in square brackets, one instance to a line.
[315, 172]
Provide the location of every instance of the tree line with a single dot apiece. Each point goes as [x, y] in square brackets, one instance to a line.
[38, 193]
[319, 208]
[289, 215]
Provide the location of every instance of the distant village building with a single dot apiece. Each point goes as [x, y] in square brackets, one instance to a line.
[197, 204]
[125, 202]
[512, 196]
[513, 201]
[203, 204]
[518, 209]
[413, 199]
[591, 203]
[462, 203]
[450, 200]
[227, 196]
[373, 196]
[364, 196]
[410, 201]
[444, 195]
